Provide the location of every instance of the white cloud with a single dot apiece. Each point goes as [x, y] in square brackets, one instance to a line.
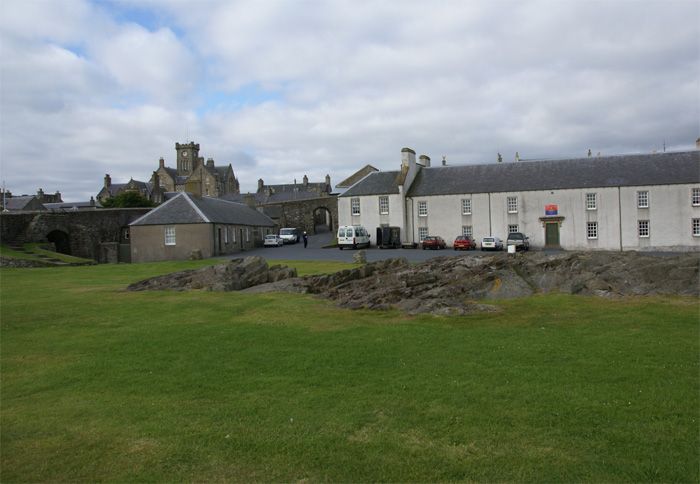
[352, 82]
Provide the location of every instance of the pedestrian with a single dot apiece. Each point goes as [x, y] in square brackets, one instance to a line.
[306, 240]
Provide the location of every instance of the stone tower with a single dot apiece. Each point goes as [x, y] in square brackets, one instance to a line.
[187, 157]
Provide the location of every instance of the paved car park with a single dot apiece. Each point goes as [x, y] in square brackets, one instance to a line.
[315, 251]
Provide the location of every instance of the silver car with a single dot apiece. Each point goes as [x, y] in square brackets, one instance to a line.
[491, 243]
[273, 240]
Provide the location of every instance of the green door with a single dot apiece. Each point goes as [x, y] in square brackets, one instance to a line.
[551, 234]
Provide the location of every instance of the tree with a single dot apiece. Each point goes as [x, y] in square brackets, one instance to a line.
[127, 200]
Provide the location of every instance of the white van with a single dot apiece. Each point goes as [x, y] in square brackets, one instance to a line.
[352, 236]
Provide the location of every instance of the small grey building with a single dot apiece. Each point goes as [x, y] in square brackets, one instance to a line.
[186, 223]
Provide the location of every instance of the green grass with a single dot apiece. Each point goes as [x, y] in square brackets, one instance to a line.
[100, 384]
[34, 251]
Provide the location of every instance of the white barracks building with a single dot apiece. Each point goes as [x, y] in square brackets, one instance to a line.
[627, 202]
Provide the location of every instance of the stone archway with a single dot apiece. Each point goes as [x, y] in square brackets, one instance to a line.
[322, 220]
[61, 241]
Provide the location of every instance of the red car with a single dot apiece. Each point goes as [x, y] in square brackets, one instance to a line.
[464, 242]
[434, 242]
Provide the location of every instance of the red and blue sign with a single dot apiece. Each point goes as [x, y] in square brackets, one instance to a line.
[551, 209]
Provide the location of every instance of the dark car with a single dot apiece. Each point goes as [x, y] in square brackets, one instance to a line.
[433, 242]
[464, 242]
[519, 240]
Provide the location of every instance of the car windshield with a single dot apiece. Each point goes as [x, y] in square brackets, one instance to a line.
[488, 239]
[270, 236]
[287, 232]
[515, 236]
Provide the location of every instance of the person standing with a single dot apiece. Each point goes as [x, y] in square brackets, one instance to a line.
[306, 240]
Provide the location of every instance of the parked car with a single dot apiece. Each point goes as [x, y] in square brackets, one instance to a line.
[491, 243]
[464, 242]
[353, 236]
[273, 240]
[433, 242]
[519, 240]
[289, 235]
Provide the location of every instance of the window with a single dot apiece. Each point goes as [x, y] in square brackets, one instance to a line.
[513, 228]
[225, 235]
[422, 233]
[696, 197]
[467, 231]
[592, 230]
[643, 199]
[696, 227]
[355, 206]
[512, 204]
[422, 209]
[247, 234]
[466, 206]
[383, 205]
[233, 234]
[591, 202]
[643, 228]
[170, 235]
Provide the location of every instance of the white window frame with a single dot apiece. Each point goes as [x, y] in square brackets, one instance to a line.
[383, 205]
[591, 201]
[247, 234]
[354, 206]
[467, 231]
[643, 229]
[511, 226]
[592, 230]
[225, 234]
[695, 227]
[233, 235]
[170, 235]
[643, 199]
[422, 208]
[466, 206]
[422, 233]
[512, 204]
[695, 197]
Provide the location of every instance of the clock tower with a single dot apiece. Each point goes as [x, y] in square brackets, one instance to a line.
[187, 156]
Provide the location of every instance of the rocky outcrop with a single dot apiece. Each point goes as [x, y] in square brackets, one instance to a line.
[453, 285]
[234, 275]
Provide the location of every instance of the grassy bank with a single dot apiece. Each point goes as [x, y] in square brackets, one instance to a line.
[102, 384]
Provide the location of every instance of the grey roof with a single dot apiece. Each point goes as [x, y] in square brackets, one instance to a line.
[23, 202]
[70, 205]
[262, 198]
[357, 176]
[609, 171]
[377, 183]
[186, 208]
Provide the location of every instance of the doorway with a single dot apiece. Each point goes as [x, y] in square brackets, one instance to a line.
[551, 234]
[60, 240]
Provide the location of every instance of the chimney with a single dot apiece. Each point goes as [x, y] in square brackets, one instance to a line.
[261, 184]
[424, 160]
[92, 201]
[517, 156]
[328, 180]
[306, 180]
[40, 194]
[161, 163]
[108, 181]
[58, 197]
[249, 199]
[444, 160]
[200, 161]
[408, 157]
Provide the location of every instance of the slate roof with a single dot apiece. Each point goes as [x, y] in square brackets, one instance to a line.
[23, 203]
[71, 205]
[280, 197]
[377, 183]
[608, 171]
[186, 208]
[357, 176]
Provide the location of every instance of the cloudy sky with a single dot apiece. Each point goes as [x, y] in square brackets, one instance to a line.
[280, 89]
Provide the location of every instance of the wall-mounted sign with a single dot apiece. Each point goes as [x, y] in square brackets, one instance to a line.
[551, 209]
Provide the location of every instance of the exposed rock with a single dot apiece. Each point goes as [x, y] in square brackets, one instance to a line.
[196, 254]
[234, 275]
[453, 285]
[360, 257]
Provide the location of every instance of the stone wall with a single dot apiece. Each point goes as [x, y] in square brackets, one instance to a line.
[86, 230]
[300, 214]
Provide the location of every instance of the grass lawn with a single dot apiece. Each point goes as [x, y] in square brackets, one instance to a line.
[99, 384]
